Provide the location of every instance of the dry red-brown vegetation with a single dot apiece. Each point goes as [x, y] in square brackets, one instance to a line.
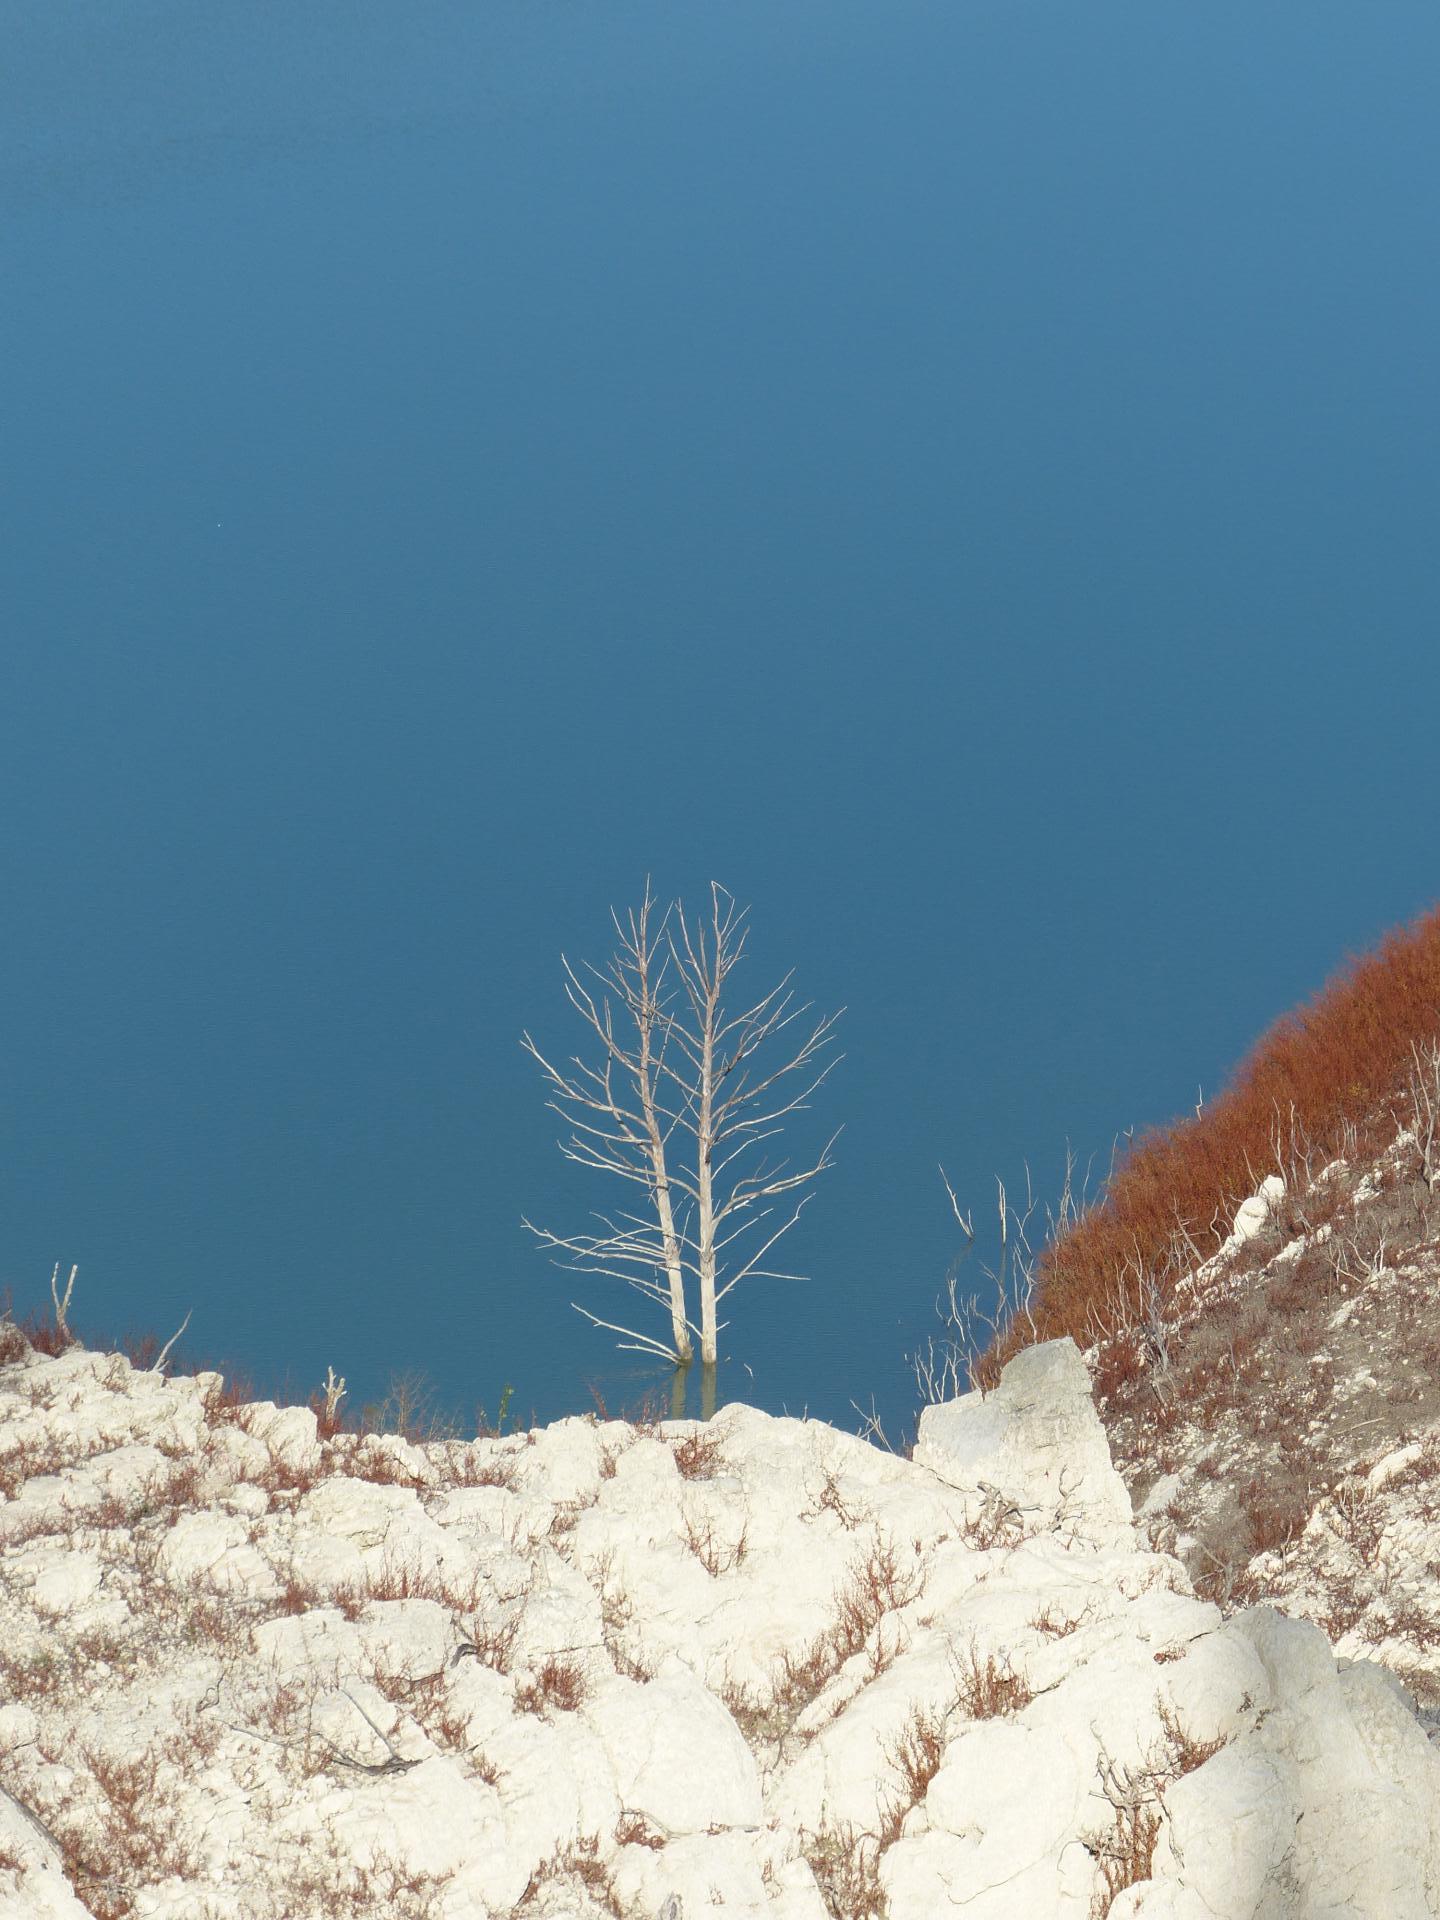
[915, 1757]
[33, 1334]
[581, 1863]
[1345, 1057]
[875, 1586]
[698, 1455]
[1058, 1627]
[715, 1555]
[557, 1686]
[990, 1691]
[634, 1830]
[491, 1643]
[1125, 1852]
[845, 1861]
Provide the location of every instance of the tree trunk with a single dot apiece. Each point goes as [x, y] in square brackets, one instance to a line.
[704, 1154]
[669, 1245]
[679, 1332]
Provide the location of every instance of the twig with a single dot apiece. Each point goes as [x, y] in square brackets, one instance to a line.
[394, 1764]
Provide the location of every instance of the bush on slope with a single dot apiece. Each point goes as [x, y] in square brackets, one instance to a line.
[1341, 1061]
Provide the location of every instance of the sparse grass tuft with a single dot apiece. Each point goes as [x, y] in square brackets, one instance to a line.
[846, 1864]
[874, 1588]
[714, 1555]
[579, 1861]
[1126, 1850]
[831, 1500]
[491, 1643]
[987, 1692]
[915, 1758]
[556, 1687]
[1057, 1628]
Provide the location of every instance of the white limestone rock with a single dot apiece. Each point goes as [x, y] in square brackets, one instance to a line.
[37, 1889]
[678, 1757]
[692, 1671]
[290, 1435]
[213, 1547]
[1253, 1215]
[1037, 1441]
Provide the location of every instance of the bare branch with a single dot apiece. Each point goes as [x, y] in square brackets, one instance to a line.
[966, 1219]
[633, 1342]
[762, 1186]
[164, 1354]
[752, 1265]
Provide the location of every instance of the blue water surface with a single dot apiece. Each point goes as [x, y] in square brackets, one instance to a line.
[962, 475]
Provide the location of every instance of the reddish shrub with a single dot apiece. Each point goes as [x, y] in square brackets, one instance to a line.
[916, 1757]
[634, 1830]
[1275, 1512]
[988, 1692]
[559, 1684]
[1345, 1056]
[698, 1456]
[228, 1401]
[43, 1336]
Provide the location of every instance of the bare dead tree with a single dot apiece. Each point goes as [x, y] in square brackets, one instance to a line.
[733, 1103]
[680, 1107]
[62, 1303]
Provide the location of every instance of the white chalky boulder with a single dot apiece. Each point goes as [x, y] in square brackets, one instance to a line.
[290, 1434]
[1332, 1793]
[214, 1548]
[678, 1757]
[65, 1581]
[1253, 1215]
[1037, 1441]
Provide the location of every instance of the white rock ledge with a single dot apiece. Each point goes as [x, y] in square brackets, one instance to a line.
[752, 1668]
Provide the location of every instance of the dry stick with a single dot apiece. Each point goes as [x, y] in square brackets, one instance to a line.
[159, 1366]
[1013, 1277]
[392, 1765]
[334, 1391]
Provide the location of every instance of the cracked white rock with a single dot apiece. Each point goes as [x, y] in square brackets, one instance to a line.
[597, 1676]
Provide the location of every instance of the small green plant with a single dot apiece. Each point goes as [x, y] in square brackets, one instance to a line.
[483, 1428]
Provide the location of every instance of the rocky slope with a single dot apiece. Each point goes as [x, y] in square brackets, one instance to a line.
[1279, 1427]
[757, 1667]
